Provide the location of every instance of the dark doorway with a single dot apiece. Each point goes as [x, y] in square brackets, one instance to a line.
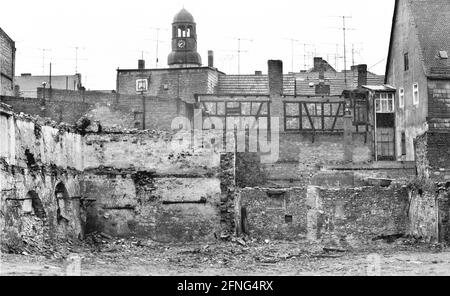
[62, 201]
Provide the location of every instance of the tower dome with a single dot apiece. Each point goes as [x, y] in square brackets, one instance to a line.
[184, 42]
[183, 16]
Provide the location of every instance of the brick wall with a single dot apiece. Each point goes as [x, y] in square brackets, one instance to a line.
[439, 99]
[433, 155]
[268, 213]
[173, 83]
[110, 109]
[59, 111]
[85, 96]
[7, 66]
[275, 73]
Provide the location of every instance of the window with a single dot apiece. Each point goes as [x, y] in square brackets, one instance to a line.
[384, 102]
[416, 93]
[406, 61]
[403, 143]
[401, 98]
[141, 85]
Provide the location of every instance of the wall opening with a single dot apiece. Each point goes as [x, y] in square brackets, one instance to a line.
[62, 201]
[33, 205]
[244, 221]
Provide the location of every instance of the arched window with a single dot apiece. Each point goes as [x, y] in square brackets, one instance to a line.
[179, 32]
[188, 33]
[33, 205]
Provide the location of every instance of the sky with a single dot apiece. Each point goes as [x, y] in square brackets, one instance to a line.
[95, 37]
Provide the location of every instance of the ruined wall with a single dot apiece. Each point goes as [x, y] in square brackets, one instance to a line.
[347, 217]
[36, 160]
[59, 111]
[275, 214]
[301, 156]
[123, 111]
[429, 200]
[423, 213]
[148, 184]
[340, 217]
[433, 155]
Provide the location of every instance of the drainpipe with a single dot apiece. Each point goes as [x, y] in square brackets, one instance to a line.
[375, 126]
[143, 111]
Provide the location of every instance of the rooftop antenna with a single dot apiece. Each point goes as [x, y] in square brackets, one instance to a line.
[293, 41]
[157, 42]
[43, 59]
[377, 63]
[344, 29]
[239, 51]
[292, 51]
[76, 58]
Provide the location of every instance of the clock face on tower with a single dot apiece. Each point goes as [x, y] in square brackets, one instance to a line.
[181, 43]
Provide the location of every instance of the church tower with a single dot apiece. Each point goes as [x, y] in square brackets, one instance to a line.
[184, 42]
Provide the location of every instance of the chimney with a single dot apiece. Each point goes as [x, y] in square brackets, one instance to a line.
[321, 74]
[362, 75]
[317, 63]
[141, 64]
[258, 73]
[211, 58]
[275, 77]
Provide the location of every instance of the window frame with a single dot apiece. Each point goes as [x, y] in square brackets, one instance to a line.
[318, 114]
[401, 98]
[382, 102]
[406, 61]
[416, 98]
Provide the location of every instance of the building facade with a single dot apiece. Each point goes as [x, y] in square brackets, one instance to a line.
[7, 64]
[169, 92]
[419, 68]
[27, 85]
